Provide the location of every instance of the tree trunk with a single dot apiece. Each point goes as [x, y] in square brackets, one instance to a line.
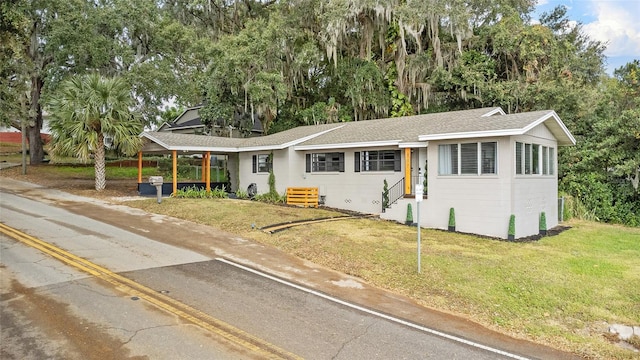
[36, 152]
[99, 164]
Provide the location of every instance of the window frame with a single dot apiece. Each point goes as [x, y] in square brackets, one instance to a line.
[532, 159]
[454, 162]
[370, 161]
[262, 163]
[313, 164]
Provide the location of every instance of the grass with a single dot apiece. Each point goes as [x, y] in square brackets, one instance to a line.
[561, 290]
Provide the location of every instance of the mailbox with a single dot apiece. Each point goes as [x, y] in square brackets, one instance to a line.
[155, 180]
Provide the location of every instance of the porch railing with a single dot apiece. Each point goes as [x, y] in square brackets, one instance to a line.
[395, 192]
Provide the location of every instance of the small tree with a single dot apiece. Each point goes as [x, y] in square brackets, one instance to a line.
[425, 182]
[385, 195]
[452, 220]
[512, 228]
[87, 109]
[543, 223]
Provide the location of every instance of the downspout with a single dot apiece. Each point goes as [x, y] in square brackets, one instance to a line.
[139, 169]
[174, 157]
[208, 177]
[203, 176]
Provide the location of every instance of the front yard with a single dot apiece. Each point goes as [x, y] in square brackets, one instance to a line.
[563, 290]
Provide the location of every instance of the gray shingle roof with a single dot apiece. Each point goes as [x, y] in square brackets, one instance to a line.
[409, 129]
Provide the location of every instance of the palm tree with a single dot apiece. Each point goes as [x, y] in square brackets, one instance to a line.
[85, 110]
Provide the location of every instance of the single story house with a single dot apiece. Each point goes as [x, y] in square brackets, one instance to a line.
[485, 164]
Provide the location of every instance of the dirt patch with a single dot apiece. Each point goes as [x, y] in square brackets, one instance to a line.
[38, 174]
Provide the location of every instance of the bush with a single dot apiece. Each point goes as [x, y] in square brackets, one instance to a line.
[271, 198]
[241, 194]
[193, 192]
[512, 227]
[385, 195]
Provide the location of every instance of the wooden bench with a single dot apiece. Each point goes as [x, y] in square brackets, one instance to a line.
[302, 196]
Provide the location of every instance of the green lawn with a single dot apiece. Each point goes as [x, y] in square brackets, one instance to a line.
[561, 290]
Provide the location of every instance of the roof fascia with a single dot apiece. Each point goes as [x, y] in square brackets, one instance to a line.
[475, 134]
[495, 111]
[186, 127]
[288, 144]
[348, 145]
[204, 148]
[155, 140]
[552, 115]
[423, 144]
[161, 125]
[187, 148]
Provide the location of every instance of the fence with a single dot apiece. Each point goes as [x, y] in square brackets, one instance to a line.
[302, 196]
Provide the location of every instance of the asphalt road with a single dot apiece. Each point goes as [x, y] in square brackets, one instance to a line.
[50, 310]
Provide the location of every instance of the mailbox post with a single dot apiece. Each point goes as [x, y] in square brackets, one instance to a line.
[157, 182]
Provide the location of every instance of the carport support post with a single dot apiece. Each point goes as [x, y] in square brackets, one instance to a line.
[208, 177]
[174, 157]
[139, 169]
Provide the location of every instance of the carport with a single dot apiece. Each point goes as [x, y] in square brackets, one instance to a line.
[165, 143]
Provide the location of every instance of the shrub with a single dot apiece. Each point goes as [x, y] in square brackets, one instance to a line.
[543, 222]
[271, 198]
[512, 227]
[385, 195]
[409, 219]
[194, 192]
[452, 218]
[241, 194]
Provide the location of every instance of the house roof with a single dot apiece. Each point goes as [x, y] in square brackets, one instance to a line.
[503, 125]
[393, 131]
[195, 122]
[403, 131]
[168, 141]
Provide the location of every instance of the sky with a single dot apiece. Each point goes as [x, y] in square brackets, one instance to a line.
[613, 22]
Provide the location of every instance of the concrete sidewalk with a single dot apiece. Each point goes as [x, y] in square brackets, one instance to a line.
[215, 243]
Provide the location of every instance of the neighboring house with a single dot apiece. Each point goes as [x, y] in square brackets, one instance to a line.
[483, 163]
[189, 122]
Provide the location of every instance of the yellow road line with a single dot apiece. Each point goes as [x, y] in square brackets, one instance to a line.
[258, 346]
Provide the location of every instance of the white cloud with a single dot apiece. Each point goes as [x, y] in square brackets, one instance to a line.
[617, 26]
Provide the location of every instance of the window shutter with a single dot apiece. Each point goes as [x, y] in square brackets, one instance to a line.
[397, 164]
[341, 159]
[356, 164]
[255, 164]
[308, 167]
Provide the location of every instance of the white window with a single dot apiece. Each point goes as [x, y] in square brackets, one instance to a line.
[448, 159]
[468, 158]
[534, 159]
[488, 157]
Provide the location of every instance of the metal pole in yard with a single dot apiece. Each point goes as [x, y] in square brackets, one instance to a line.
[419, 191]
